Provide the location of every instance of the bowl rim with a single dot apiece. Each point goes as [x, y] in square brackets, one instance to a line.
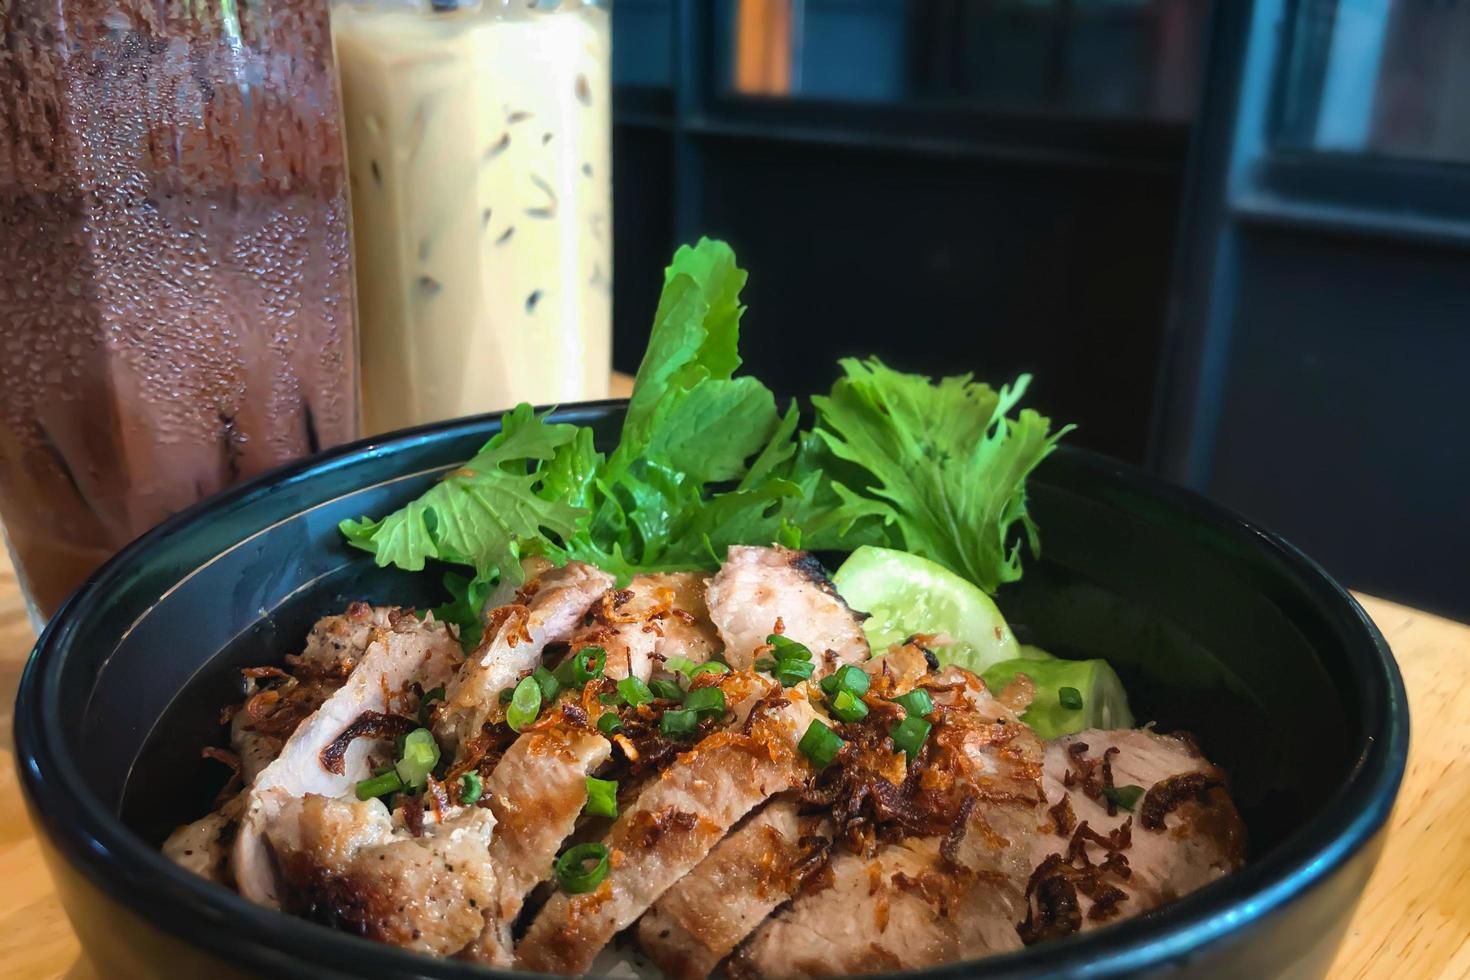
[115, 860]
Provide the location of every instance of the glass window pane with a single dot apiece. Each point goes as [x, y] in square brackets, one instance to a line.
[1380, 78]
[1099, 57]
[643, 33]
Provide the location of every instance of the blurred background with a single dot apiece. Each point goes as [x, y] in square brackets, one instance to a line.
[1231, 240]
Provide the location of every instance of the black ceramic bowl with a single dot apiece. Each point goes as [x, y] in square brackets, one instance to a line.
[1216, 626]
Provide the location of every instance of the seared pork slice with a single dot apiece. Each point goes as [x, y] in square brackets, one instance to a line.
[203, 846]
[903, 909]
[537, 791]
[656, 617]
[517, 635]
[760, 591]
[345, 863]
[1092, 866]
[709, 911]
[967, 809]
[278, 700]
[674, 823]
[412, 652]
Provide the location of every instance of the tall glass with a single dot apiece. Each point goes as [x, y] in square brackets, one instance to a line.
[176, 307]
[479, 153]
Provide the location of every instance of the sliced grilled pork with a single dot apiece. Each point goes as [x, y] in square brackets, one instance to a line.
[675, 821]
[709, 911]
[654, 618]
[537, 790]
[951, 887]
[1091, 865]
[518, 633]
[903, 909]
[760, 591]
[278, 700]
[344, 862]
[203, 846]
[410, 652]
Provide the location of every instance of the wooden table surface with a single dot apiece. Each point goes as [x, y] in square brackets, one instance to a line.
[1414, 921]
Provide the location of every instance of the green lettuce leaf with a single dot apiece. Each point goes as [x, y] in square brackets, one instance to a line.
[485, 512]
[946, 457]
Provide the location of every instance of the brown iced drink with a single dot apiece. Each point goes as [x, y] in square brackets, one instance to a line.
[175, 286]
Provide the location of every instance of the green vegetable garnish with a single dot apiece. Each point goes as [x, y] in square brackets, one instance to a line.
[706, 701]
[790, 662]
[909, 735]
[419, 756]
[383, 784]
[678, 723]
[470, 788]
[916, 703]
[587, 664]
[582, 868]
[1124, 797]
[706, 460]
[666, 690]
[710, 667]
[853, 680]
[847, 707]
[946, 457]
[1096, 698]
[602, 797]
[525, 704]
[820, 744]
[548, 682]
[905, 595]
[609, 723]
[634, 692]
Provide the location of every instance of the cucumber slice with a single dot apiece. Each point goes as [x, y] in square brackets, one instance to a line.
[1104, 704]
[905, 594]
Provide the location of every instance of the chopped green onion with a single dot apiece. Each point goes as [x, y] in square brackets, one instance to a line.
[426, 703]
[710, 667]
[566, 673]
[666, 690]
[785, 648]
[793, 672]
[820, 744]
[380, 785]
[550, 686]
[470, 788]
[608, 723]
[602, 797]
[525, 704]
[1126, 797]
[506, 695]
[908, 735]
[846, 707]
[611, 697]
[587, 664]
[853, 680]
[678, 723]
[916, 703]
[706, 701]
[419, 757]
[634, 692]
[681, 665]
[1070, 698]
[582, 868]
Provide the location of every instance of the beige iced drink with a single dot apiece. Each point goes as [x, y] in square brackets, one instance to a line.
[479, 155]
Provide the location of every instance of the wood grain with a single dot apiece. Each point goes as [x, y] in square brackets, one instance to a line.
[1414, 920]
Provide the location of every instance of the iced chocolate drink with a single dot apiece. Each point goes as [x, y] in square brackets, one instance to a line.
[174, 265]
[478, 145]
